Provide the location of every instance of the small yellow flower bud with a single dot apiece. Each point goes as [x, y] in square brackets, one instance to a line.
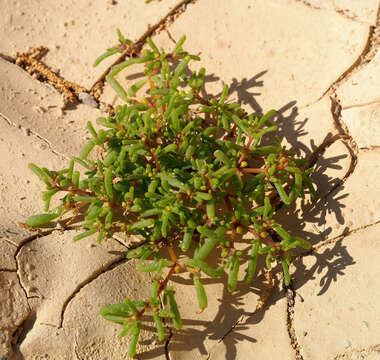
[244, 164]
[203, 187]
[239, 230]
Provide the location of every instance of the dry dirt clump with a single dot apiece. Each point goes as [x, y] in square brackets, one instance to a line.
[30, 61]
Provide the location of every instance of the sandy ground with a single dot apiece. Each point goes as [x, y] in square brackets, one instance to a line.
[316, 61]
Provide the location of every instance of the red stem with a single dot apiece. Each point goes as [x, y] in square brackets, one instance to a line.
[253, 170]
[263, 239]
[245, 152]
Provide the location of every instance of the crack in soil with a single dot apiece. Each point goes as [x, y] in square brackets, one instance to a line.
[370, 148]
[346, 14]
[114, 263]
[341, 12]
[6, 240]
[20, 331]
[102, 270]
[346, 138]
[260, 306]
[290, 296]
[167, 343]
[69, 90]
[17, 270]
[47, 142]
[308, 4]
[335, 239]
[342, 236]
[30, 62]
[361, 105]
[368, 53]
[26, 326]
[97, 88]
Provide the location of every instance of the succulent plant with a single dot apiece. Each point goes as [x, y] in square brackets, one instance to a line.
[186, 173]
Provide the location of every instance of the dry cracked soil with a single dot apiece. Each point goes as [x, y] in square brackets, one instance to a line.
[316, 61]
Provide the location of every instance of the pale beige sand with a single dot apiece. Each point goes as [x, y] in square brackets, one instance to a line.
[315, 61]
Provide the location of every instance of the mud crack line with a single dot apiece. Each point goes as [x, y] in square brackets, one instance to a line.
[342, 12]
[335, 239]
[27, 241]
[167, 343]
[290, 295]
[116, 262]
[10, 123]
[261, 303]
[347, 139]
[368, 53]
[343, 235]
[72, 93]
[97, 88]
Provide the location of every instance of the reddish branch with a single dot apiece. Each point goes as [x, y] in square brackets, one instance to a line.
[265, 239]
[253, 170]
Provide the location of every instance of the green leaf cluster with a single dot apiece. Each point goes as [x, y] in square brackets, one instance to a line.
[185, 173]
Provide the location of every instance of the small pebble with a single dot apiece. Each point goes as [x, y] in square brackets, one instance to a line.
[347, 343]
[365, 323]
[29, 267]
[39, 109]
[27, 131]
[87, 99]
